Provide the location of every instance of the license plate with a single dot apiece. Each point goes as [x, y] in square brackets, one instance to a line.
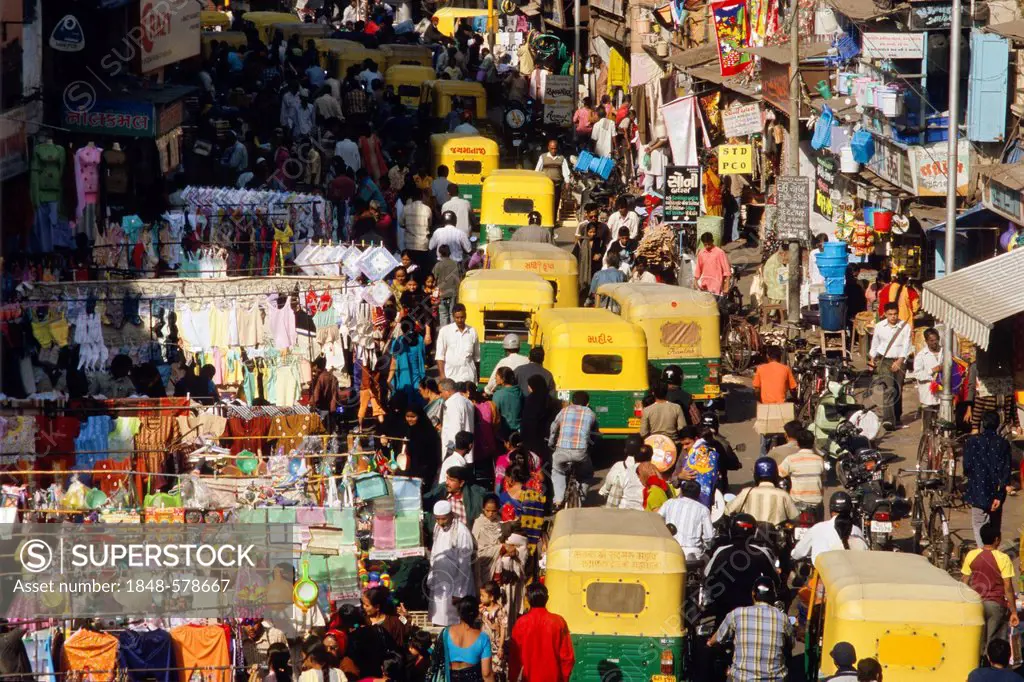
[712, 389]
[663, 678]
[634, 422]
[877, 476]
[799, 532]
[881, 526]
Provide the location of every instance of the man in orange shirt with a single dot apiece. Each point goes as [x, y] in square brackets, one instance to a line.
[540, 649]
[773, 382]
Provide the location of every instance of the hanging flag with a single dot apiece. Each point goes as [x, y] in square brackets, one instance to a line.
[731, 28]
[681, 125]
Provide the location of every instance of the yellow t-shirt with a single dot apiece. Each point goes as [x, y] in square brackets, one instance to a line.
[1003, 561]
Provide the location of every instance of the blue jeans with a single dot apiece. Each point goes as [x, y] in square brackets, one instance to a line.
[45, 229]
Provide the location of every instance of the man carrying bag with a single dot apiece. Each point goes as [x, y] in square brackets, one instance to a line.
[890, 348]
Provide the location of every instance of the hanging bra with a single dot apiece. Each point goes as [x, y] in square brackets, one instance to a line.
[41, 329]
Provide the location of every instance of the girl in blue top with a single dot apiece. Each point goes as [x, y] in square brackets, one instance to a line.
[467, 650]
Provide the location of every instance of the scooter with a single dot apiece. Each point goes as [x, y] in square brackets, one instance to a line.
[834, 407]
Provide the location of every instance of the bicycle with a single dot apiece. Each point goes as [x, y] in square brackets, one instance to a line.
[575, 491]
[930, 500]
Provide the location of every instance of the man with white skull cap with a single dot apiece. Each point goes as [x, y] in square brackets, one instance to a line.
[451, 565]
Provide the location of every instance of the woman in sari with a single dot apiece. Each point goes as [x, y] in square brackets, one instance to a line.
[485, 434]
[656, 490]
[522, 499]
[539, 410]
[487, 533]
[408, 365]
[372, 156]
[589, 252]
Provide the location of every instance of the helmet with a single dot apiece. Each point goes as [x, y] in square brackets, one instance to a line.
[673, 374]
[764, 590]
[742, 526]
[840, 502]
[533, 218]
[449, 218]
[710, 420]
[765, 469]
[510, 342]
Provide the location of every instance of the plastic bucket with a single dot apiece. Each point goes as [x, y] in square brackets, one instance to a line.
[883, 220]
[714, 224]
[835, 250]
[835, 286]
[869, 215]
[832, 310]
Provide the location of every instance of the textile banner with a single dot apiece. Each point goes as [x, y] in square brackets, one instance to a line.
[682, 130]
[732, 29]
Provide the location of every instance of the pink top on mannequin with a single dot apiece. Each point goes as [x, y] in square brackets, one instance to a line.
[87, 175]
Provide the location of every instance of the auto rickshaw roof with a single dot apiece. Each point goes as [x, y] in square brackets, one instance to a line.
[573, 327]
[459, 88]
[209, 18]
[424, 73]
[515, 253]
[302, 29]
[528, 180]
[336, 45]
[646, 300]
[607, 536]
[264, 18]
[895, 577]
[406, 50]
[438, 141]
[459, 12]
[482, 287]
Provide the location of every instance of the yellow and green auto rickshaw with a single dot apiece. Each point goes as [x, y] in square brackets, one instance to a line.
[355, 56]
[303, 31]
[469, 158]
[407, 80]
[499, 303]
[617, 577]
[329, 48]
[681, 326]
[508, 198]
[265, 22]
[448, 18]
[439, 95]
[557, 266]
[595, 350]
[408, 55]
[921, 624]
[211, 19]
[233, 38]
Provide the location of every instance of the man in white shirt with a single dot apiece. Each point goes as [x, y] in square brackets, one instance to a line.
[451, 236]
[460, 207]
[822, 537]
[513, 360]
[458, 348]
[555, 166]
[603, 134]
[290, 104]
[692, 520]
[927, 366]
[458, 415]
[369, 74]
[440, 185]
[890, 347]
[624, 216]
[415, 222]
[654, 171]
[641, 273]
[348, 151]
[351, 13]
[622, 488]
[456, 455]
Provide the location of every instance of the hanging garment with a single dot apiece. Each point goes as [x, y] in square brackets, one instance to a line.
[147, 651]
[39, 649]
[201, 652]
[250, 324]
[85, 651]
[219, 322]
[247, 434]
[87, 182]
[122, 438]
[14, 662]
[92, 444]
[281, 320]
[117, 176]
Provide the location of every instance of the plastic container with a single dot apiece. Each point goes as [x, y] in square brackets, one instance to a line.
[823, 89]
[835, 286]
[883, 220]
[847, 164]
[835, 250]
[869, 216]
[715, 224]
[583, 162]
[832, 311]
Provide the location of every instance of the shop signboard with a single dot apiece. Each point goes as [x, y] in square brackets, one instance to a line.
[929, 169]
[792, 208]
[127, 118]
[930, 16]
[170, 32]
[13, 143]
[775, 84]
[893, 45]
[682, 200]
[892, 164]
[616, 7]
[826, 166]
[742, 120]
[67, 35]
[1004, 200]
[558, 100]
[735, 159]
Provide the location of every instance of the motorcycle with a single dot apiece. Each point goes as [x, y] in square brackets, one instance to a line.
[515, 124]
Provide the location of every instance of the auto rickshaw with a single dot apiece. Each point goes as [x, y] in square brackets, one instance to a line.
[470, 159]
[410, 55]
[329, 48]
[233, 38]
[920, 623]
[449, 17]
[406, 80]
[617, 577]
[438, 95]
[508, 197]
[210, 19]
[595, 350]
[556, 266]
[354, 56]
[301, 30]
[264, 22]
[681, 326]
[501, 302]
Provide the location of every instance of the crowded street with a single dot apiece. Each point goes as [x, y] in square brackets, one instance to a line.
[518, 341]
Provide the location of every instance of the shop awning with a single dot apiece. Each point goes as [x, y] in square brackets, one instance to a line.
[1014, 30]
[972, 300]
[780, 53]
[971, 218]
[1009, 175]
[863, 10]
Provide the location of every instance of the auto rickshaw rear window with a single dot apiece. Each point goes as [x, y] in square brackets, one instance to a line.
[499, 323]
[468, 167]
[602, 364]
[409, 91]
[518, 205]
[616, 598]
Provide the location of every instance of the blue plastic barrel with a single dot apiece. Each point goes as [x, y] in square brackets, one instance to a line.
[832, 310]
[835, 285]
[583, 162]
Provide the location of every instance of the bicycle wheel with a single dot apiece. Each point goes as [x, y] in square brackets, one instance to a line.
[917, 523]
[925, 451]
[940, 543]
[738, 354]
[805, 394]
[572, 493]
[945, 457]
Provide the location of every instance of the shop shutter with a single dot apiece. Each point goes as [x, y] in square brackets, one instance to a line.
[987, 87]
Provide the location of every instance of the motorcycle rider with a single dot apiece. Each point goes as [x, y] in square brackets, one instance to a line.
[735, 568]
[672, 377]
[822, 537]
[727, 459]
[764, 500]
[762, 634]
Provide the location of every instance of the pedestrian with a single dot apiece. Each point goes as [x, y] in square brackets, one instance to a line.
[989, 572]
[584, 118]
[641, 273]
[589, 252]
[279, 662]
[540, 649]
[317, 665]
[534, 365]
[461, 207]
[433, 402]
[533, 231]
[761, 634]
[869, 670]
[625, 248]
[927, 370]
[555, 166]
[713, 273]
[610, 274]
[381, 612]
[773, 383]
[408, 366]
[764, 500]
[487, 440]
[487, 532]
[456, 454]
[622, 488]
[440, 185]
[805, 470]
[656, 488]
[458, 414]
[451, 565]
[447, 276]
[415, 223]
[691, 519]
[624, 216]
[790, 430]
[513, 360]
[257, 638]
[672, 376]
[573, 431]
[458, 348]
[775, 273]
[603, 135]
[508, 398]
[662, 417]
[494, 617]
[844, 656]
[457, 241]
[421, 448]
[539, 410]
[998, 654]
[458, 488]
[987, 462]
[890, 347]
[901, 292]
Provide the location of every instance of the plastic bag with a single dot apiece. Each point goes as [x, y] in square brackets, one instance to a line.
[74, 498]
